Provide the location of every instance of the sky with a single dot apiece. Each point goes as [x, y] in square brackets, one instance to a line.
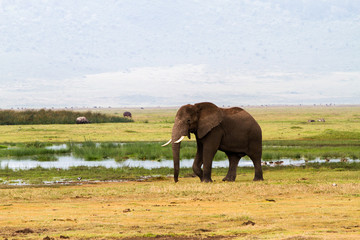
[140, 53]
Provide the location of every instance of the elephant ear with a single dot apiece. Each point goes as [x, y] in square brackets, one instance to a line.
[210, 116]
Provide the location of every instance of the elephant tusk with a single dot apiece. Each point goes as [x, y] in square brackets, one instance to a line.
[180, 139]
[166, 143]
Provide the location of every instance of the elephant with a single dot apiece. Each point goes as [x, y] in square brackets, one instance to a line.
[231, 130]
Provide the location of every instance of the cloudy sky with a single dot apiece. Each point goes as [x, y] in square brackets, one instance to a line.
[169, 53]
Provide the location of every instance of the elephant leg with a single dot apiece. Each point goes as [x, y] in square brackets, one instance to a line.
[198, 162]
[233, 163]
[256, 159]
[208, 156]
[210, 147]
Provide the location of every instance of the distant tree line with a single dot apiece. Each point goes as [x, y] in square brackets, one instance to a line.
[42, 116]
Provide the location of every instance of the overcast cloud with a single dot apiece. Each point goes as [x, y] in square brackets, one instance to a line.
[169, 53]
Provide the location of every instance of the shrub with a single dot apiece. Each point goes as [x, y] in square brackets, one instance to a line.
[42, 116]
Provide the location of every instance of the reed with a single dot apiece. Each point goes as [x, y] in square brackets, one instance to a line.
[134, 150]
[272, 150]
[310, 152]
[44, 158]
[31, 149]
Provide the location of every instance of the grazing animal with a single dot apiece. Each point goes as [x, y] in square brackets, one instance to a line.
[82, 120]
[231, 130]
[127, 114]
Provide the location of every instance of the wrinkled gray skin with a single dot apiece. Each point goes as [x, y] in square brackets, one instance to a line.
[231, 130]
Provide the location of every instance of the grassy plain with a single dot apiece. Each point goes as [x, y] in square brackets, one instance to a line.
[292, 203]
[277, 123]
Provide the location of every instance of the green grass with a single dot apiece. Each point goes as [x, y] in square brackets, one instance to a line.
[335, 134]
[310, 149]
[87, 173]
[154, 124]
[44, 158]
[30, 151]
[37, 149]
[39, 175]
[134, 150]
[272, 150]
[286, 134]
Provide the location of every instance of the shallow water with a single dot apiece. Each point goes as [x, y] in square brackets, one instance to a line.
[65, 162]
[57, 147]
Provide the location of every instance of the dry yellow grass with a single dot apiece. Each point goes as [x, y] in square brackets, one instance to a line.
[290, 123]
[290, 205]
[117, 132]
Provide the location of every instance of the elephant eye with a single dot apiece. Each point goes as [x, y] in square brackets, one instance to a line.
[188, 121]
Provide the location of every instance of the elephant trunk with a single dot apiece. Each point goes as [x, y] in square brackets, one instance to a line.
[178, 132]
[176, 157]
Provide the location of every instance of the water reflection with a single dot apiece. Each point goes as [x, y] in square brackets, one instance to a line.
[57, 147]
[65, 162]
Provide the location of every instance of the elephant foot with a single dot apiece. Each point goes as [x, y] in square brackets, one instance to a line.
[229, 179]
[258, 179]
[207, 180]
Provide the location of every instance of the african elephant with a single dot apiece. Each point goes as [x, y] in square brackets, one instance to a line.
[231, 130]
